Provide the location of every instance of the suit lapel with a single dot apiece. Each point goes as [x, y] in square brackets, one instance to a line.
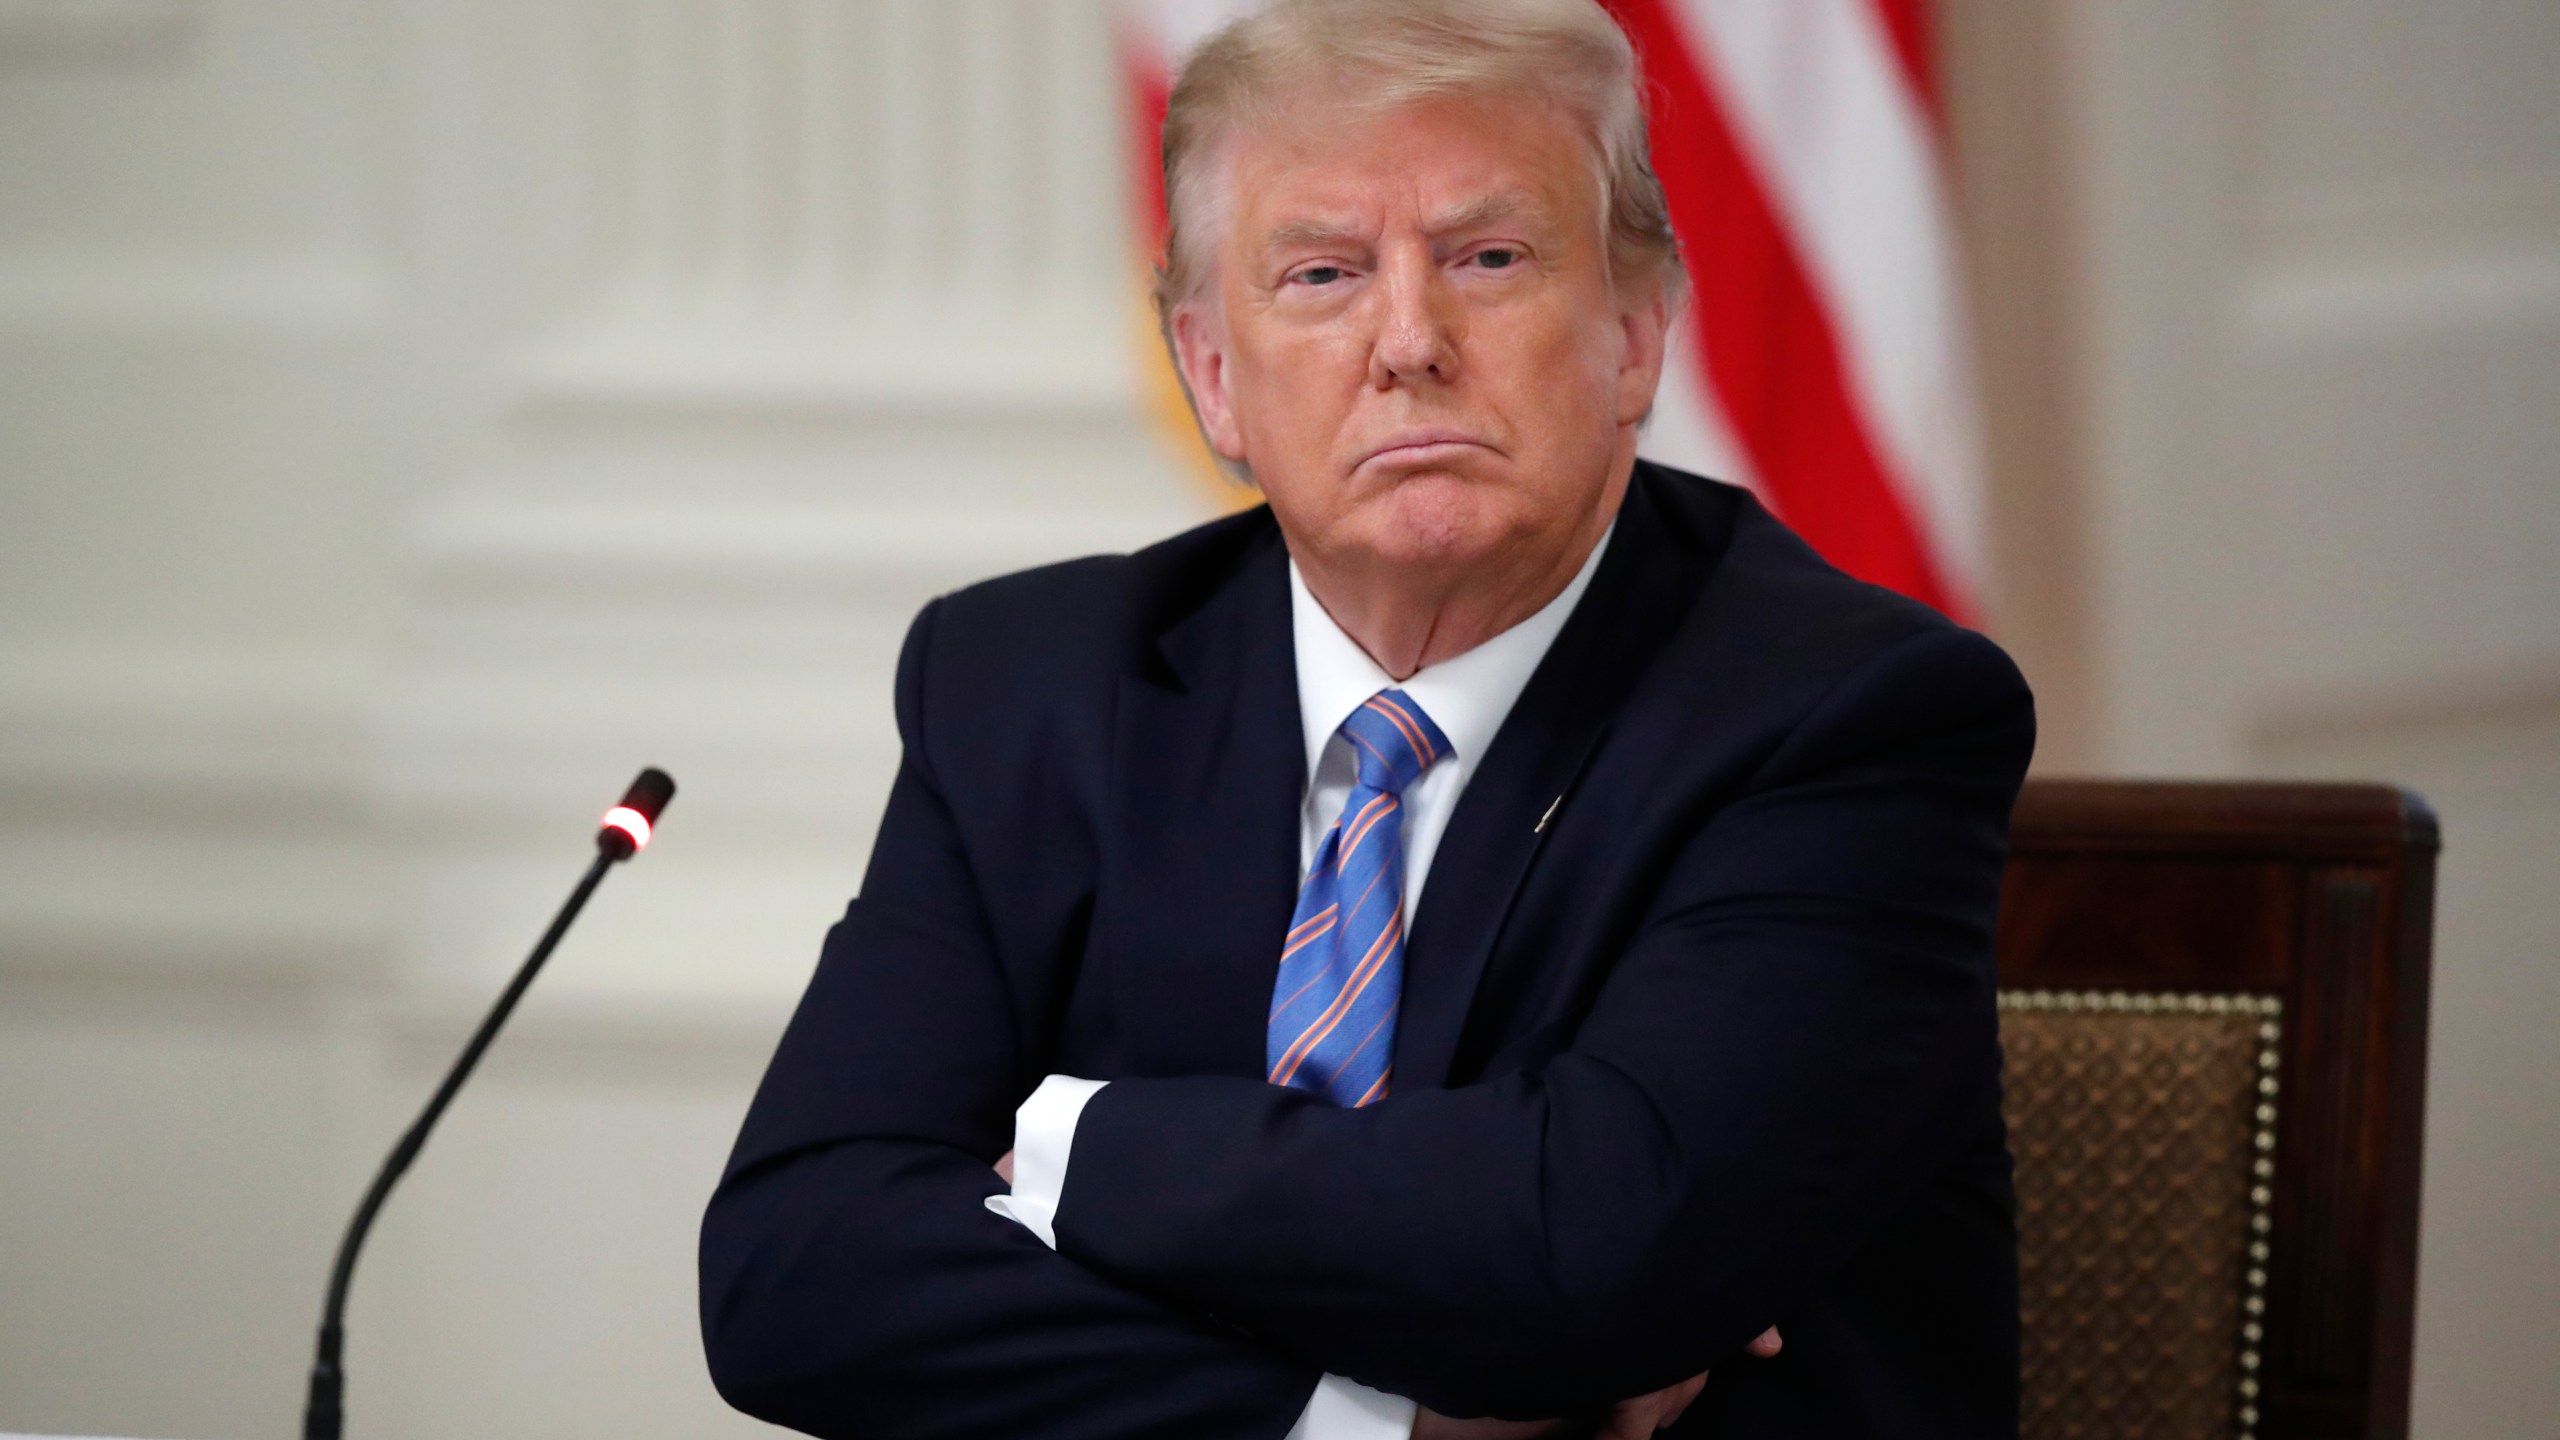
[1559, 721]
[1208, 772]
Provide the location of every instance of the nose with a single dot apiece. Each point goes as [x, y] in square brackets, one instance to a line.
[1416, 340]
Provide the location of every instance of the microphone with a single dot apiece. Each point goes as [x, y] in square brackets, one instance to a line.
[624, 833]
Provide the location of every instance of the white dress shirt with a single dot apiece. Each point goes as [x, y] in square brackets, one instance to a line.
[1468, 696]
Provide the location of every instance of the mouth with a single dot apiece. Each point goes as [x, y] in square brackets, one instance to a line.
[1416, 449]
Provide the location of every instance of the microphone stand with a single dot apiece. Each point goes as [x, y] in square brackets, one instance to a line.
[626, 829]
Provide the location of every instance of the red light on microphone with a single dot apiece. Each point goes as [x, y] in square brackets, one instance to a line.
[630, 822]
[627, 826]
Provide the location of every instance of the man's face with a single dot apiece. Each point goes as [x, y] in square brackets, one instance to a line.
[1415, 343]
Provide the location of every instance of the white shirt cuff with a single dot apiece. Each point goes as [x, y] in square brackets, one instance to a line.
[1348, 1410]
[1044, 1131]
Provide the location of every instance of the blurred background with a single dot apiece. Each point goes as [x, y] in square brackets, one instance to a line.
[417, 415]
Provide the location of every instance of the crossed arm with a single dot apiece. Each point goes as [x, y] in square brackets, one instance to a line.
[1636, 1418]
[1563, 1237]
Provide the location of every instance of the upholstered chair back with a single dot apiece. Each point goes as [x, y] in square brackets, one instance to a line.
[2214, 1006]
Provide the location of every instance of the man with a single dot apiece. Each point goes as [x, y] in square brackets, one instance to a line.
[1690, 1031]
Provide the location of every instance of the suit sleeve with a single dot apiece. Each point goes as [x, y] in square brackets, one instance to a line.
[853, 1281]
[1799, 1036]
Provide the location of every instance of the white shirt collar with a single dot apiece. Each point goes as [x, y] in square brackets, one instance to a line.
[1468, 696]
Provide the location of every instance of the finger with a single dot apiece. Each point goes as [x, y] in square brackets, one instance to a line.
[1637, 1419]
[1683, 1395]
[1622, 1426]
[1768, 1344]
[1631, 1420]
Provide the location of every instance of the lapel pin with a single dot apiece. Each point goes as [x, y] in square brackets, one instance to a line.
[1550, 815]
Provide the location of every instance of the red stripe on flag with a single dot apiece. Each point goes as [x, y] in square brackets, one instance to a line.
[1772, 358]
[1907, 23]
[1149, 91]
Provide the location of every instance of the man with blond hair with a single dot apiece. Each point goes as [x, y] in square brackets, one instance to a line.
[1482, 946]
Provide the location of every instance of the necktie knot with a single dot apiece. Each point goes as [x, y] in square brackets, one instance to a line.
[1393, 741]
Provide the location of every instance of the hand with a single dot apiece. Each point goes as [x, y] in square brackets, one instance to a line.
[1431, 1425]
[1634, 1419]
[1637, 1419]
[1004, 1172]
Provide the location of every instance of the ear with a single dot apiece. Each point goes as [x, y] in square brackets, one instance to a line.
[1199, 352]
[1646, 332]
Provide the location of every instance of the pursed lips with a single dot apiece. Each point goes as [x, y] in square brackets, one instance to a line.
[1410, 447]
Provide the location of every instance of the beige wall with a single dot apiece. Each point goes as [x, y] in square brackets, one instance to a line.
[2271, 305]
[415, 416]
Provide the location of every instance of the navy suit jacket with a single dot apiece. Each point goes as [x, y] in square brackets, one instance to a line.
[1712, 1048]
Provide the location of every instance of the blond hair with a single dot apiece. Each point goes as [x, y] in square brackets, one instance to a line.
[1382, 55]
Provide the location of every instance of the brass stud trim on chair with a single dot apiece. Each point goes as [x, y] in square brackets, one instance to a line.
[2270, 1012]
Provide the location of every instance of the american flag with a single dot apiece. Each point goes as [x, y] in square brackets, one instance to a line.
[1825, 360]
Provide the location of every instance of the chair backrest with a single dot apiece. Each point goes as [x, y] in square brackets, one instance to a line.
[2214, 1003]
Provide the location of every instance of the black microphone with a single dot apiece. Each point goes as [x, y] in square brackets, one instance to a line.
[625, 830]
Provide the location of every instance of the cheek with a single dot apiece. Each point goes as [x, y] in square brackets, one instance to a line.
[1289, 389]
[1563, 371]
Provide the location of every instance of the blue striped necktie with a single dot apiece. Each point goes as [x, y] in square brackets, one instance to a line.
[1333, 1012]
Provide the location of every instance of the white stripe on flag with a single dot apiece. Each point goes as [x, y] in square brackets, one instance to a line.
[1845, 152]
[1175, 26]
[1688, 428]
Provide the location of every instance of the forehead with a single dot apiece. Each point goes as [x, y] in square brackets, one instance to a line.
[1330, 166]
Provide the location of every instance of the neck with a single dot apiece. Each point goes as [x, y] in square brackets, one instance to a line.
[1409, 617]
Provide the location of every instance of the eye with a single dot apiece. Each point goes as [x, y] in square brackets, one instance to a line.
[1497, 257]
[1318, 275]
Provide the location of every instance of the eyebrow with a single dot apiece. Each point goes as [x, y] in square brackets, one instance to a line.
[1483, 209]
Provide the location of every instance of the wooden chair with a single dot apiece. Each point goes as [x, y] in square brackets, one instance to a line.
[2214, 1004]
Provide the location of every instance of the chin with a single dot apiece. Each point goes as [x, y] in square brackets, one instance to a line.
[1435, 520]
